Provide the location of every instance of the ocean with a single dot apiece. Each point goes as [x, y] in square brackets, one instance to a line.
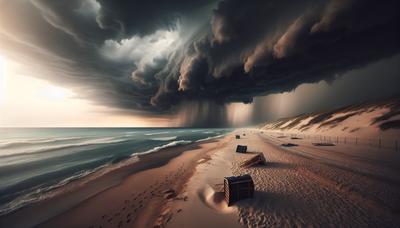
[34, 161]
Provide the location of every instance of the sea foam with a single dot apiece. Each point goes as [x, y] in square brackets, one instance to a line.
[158, 148]
[165, 138]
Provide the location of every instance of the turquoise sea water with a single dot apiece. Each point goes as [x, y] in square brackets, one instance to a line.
[34, 161]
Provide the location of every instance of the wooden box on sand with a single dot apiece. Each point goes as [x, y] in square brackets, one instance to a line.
[257, 159]
[237, 188]
[241, 149]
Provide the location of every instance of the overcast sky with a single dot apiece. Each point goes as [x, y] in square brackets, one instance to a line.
[191, 63]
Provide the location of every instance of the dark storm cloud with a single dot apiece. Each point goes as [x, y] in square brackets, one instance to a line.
[278, 45]
[107, 50]
[131, 17]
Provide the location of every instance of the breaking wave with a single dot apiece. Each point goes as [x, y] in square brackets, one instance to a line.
[158, 148]
[165, 138]
[158, 133]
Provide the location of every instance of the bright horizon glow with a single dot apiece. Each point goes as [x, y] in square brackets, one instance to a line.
[2, 79]
[55, 93]
[26, 101]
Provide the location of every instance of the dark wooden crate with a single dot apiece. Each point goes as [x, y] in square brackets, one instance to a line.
[237, 188]
[241, 149]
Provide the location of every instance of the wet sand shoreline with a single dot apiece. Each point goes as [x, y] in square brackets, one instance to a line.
[75, 194]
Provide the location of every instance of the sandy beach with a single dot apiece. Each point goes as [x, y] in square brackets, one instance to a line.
[299, 186]
[303, 185]
[135, 189]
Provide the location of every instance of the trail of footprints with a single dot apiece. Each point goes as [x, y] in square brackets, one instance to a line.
[129, 209]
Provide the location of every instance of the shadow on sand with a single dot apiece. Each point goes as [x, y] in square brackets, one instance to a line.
[289, 145]
[273, 165]
[268, 202]
[279, 165]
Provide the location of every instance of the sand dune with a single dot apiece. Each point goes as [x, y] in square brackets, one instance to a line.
[378, 119]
